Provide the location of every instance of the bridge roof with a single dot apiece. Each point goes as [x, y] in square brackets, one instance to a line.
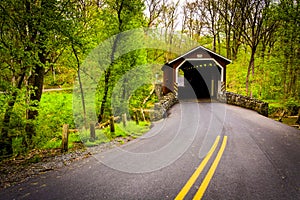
[200, 53]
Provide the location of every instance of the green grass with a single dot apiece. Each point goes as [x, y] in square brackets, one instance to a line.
[100, 138]
[104, 135]
[56, 110]
[131, 129]
[56, 142]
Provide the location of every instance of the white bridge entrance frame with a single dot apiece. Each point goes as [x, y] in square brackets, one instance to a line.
[201, 59]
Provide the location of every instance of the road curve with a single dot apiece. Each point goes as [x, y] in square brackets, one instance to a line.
[219, 151]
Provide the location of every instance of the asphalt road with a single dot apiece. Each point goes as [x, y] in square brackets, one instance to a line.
[233, 153]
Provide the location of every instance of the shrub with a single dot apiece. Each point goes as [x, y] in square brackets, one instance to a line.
[292, 106]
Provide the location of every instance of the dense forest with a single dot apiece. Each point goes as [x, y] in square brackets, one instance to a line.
[43, 44]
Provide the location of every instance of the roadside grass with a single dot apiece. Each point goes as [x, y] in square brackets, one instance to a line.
[56, 110]
[55, 142]
[104, 135]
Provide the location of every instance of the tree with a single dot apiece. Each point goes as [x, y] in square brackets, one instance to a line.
[30, 32]
[118, 16]
[154, 8]
[251, 24]
[193, 19]
[288, 15]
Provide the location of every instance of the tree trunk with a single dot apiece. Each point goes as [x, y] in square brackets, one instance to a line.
[104, 99]
[250, 68]
[284, 76]
[107, 74]
[214, 48]
[80, 86]
[36, 81]
[219, 43]
[228, 49]
[236, 44]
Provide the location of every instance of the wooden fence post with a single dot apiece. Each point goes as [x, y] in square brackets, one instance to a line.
[124, 119]
[92, 132]
[112, 124]
[64, 144]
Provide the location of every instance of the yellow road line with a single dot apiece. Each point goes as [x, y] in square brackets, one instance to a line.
[211, 171]
[198, 171]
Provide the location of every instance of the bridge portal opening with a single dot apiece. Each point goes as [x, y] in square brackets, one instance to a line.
[198, 79]
[199, 73]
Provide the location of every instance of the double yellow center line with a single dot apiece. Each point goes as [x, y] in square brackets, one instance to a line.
[200, 168]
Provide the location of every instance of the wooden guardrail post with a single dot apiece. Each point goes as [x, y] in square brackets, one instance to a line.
[281, 116]
[65, 136]
[136, 117]
[124, 119]
[92, 132]
[112, 124]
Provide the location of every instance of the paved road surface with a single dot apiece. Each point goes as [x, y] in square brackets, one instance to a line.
[259, 160]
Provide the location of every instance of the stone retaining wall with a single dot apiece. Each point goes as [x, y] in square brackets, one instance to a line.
[160, 109]
[245, 102]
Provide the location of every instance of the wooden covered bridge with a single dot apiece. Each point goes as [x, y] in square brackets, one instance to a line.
[199, 73]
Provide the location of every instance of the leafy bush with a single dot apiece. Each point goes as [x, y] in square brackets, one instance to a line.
[275, 108]
[292, 106]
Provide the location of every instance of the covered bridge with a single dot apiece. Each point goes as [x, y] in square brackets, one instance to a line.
[199, 73]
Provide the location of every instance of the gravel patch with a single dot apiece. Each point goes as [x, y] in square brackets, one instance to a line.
[17, 170]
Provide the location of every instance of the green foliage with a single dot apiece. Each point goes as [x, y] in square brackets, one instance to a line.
[54, 111]
[120, 16]
[275, 108]
[236, 74]
[292, 106]
[17, 123]
[18, 145]
[140, 96]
